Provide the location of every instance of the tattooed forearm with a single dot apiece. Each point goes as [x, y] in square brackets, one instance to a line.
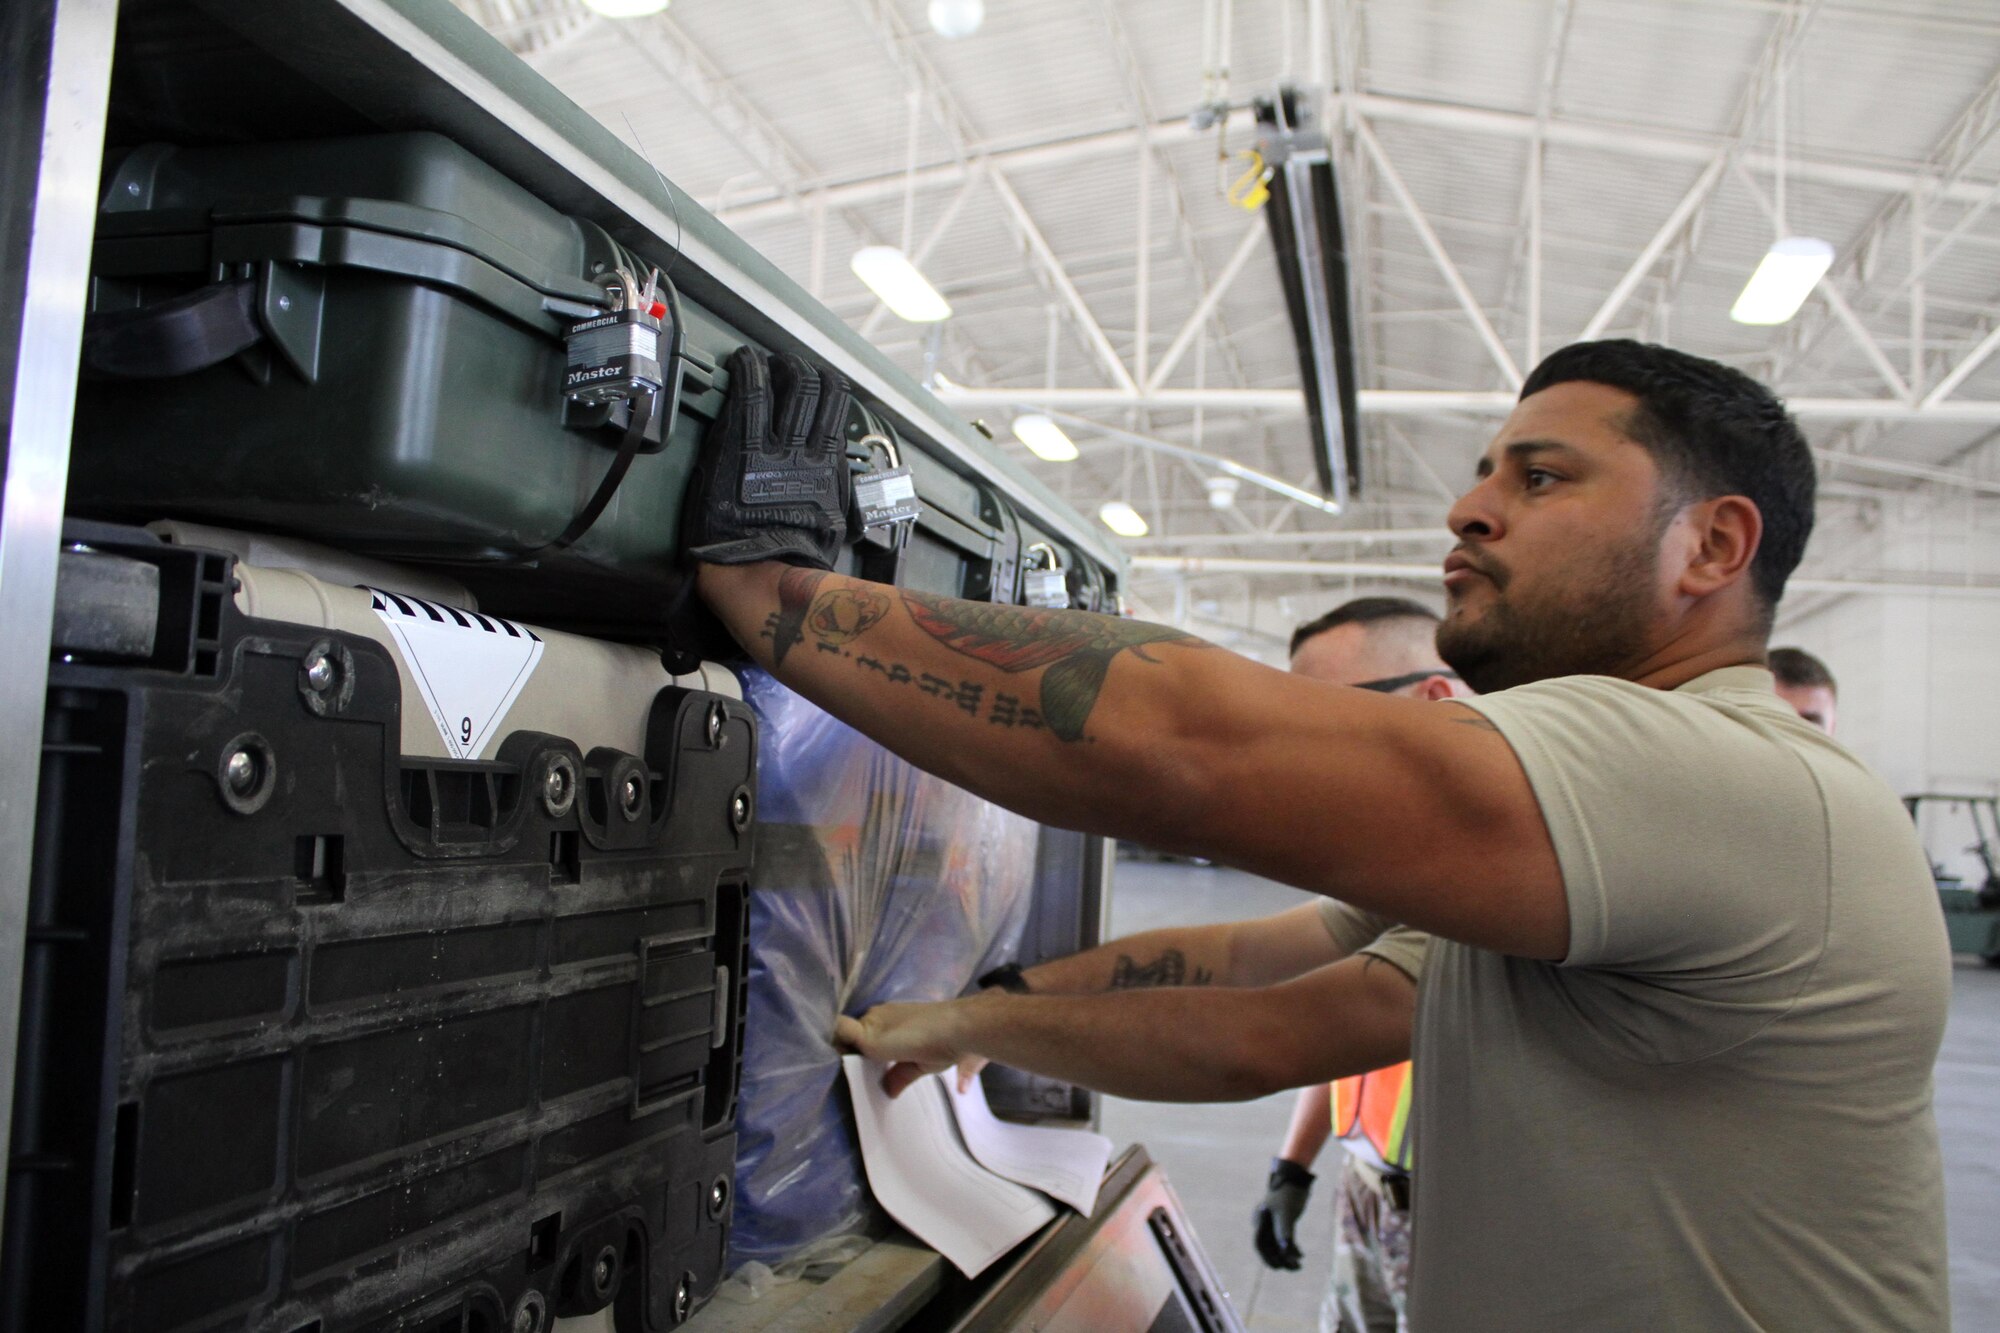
[1076, 647]
[795, 598]
[1169, 969]
[836, 617]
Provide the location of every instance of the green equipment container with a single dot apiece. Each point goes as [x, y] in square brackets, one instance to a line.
[362, 340]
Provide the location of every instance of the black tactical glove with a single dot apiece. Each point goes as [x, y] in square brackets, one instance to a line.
[1278, 1216]
[773, 481]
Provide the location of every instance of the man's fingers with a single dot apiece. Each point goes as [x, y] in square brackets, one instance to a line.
[848, 1034]
[746, 412]
[968, 1071]
[900, 1076]
[1267, 1244]
[795, 382]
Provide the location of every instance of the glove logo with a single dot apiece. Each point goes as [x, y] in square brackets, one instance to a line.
[788, 487]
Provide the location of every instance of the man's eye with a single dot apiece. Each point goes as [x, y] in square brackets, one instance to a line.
[1536, 477]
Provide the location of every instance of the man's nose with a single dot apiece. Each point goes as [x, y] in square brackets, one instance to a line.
[1473, 516]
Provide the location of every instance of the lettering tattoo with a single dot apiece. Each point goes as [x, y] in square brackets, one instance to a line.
[1169, 969]
[1076, 647]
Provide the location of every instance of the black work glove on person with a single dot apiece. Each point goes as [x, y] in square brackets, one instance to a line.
[773, 480]
[1278, 1216]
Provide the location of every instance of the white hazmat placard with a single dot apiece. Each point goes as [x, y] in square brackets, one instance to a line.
[468, 667]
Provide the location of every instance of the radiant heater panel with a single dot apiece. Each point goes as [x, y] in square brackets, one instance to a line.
[1310, 244]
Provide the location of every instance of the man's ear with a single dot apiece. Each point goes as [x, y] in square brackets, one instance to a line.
[1723, 537]
[1436, 687]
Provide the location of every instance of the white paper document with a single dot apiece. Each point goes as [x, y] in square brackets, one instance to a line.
[920, 1171]
[1066, 1164]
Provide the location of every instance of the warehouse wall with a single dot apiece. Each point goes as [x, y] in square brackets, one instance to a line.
[1918, 676]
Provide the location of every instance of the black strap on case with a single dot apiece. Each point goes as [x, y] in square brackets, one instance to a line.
[179, 336]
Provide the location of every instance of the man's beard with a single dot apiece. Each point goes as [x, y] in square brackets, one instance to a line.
[1587, 622]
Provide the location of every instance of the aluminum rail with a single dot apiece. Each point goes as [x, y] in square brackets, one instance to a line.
[52, 113]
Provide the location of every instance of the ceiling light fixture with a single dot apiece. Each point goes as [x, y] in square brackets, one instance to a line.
[953, 19]
[626, 9]
[906, 291]
[1790, 269]
[1222, 491]
[1793, 265]
[1044, 438]
[1122, 519]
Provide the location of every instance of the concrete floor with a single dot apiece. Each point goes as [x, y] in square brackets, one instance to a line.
[1216, 1156]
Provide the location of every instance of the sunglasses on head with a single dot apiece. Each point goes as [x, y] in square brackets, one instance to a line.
[1390, 684]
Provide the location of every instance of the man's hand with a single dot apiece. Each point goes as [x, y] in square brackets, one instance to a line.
[773, 481]
[1277, 1217]
[912, 1039]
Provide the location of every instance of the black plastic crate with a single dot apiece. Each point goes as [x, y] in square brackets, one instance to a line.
[314, 1038]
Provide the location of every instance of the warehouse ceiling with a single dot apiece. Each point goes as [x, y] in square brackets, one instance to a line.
[1517, 174]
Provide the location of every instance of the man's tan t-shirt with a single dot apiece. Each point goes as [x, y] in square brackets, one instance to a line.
[1356, 931]
[1715, 1114]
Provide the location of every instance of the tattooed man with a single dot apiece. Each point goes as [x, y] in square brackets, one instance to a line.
[1674, 1038]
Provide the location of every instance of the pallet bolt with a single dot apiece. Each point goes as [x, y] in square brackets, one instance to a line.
[558, 785]
[241, 770]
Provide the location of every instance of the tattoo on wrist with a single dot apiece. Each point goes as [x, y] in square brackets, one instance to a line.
[1169, 969]
[1075, 647]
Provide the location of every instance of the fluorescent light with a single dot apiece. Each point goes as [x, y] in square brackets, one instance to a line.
[626, 9]
[956, 18]
[1122, 518]
[891, 276]
[1044, 438]
[1782, 281]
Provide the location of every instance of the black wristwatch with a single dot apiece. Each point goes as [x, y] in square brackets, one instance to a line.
[1007, 977]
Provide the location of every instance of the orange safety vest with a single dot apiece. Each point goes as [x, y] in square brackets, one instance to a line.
[1371, 1113]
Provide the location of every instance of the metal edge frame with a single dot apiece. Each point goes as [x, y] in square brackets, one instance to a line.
[520, 118]
[75, 37]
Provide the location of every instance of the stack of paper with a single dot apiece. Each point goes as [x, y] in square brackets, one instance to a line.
[953, 1173]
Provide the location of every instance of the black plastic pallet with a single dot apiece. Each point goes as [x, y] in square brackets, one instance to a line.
[315, 1038]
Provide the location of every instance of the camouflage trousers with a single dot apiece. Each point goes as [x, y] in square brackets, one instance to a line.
[1371, 1260]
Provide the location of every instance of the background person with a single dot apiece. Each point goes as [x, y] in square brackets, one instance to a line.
[1804, 682]
[1387, 645]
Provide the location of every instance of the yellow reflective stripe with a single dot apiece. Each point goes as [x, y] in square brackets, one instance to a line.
[1397, 1153]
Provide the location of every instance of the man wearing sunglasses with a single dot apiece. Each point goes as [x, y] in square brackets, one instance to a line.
[1384, 645]
[1387, 645]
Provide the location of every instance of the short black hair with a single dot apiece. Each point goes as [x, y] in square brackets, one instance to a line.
[1800, 669]
[1362, 611]
[1713, 431]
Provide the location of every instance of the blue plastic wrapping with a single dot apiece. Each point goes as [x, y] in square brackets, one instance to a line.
[874, 882]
